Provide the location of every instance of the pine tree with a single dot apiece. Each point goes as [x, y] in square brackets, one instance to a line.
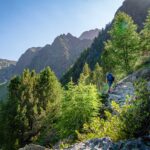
[11, 119]
[123, 47]
[97, 76]
[80, 104]
[34, 100]
[49, 95]
[85, 75]
[145, 36]
[48, 90]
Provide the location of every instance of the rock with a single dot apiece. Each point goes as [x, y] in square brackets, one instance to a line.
[122, 91]
[33, 147]
[125, 88]
[107, 144]
[94, 144]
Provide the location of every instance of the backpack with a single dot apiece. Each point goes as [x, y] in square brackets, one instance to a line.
[110, 77]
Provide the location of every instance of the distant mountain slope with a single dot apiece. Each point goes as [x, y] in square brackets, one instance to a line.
[89, 34]
[6, 63]
[26, 58]
[6, 69]
[137, 9]
[60, 55]
[63, 53]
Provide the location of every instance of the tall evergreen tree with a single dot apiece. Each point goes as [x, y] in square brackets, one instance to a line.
[97, 76]
[85, 75]
[123, 46]
[145, 36]
[33, 101]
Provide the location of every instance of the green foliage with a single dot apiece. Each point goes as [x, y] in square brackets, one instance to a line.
[145, 36]
[33, 99]
[90, 56]
[85, 75]
[80, 104]
[97, 77]
[100, 127]
[136, 117]
[3, 91]
[121, 50]
[129, 121]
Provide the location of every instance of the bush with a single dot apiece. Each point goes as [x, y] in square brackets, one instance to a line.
[80, 104]
[129, 121]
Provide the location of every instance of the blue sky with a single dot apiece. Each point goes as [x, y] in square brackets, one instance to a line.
[32, 23]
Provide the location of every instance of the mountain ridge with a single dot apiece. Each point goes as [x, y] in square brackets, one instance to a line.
[64, 50]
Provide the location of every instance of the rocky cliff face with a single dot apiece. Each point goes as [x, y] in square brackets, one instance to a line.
[89, 34]
[25, 60]
[60, 55]
[63, 52]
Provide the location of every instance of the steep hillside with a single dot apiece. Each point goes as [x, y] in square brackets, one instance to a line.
[25, 60]
[63, 53]
[89, 34]
[92, 55]
[6, 69]
[6, 63]
[60, 55]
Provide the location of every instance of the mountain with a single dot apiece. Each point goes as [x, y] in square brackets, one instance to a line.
[6, 63]
[60, 55]
[26, 58]
[92, 55]
[131, 6]
[89, 34]
[6, 69]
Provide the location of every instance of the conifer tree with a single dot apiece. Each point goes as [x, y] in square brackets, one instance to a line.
[33, 101]
[80, 104]
[85, 75]
[122, 48]
[97, 76]
[48, 90]
[145, 36]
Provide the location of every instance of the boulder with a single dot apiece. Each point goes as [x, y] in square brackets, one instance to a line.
[33, 147]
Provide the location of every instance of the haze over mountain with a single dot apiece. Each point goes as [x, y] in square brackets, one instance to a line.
[60, 55]
[138, 10]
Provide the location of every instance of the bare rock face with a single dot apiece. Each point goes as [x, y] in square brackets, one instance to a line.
[90, 35]
[25, 60]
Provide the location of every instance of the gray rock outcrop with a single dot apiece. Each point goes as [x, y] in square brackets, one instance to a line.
[106, 144]
[125, 90]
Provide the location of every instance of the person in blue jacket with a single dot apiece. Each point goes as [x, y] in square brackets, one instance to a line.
[110, 79]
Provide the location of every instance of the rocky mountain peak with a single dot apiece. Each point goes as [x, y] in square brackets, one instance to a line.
[90, 35]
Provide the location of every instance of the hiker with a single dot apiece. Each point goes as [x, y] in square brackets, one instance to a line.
[110, 79]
